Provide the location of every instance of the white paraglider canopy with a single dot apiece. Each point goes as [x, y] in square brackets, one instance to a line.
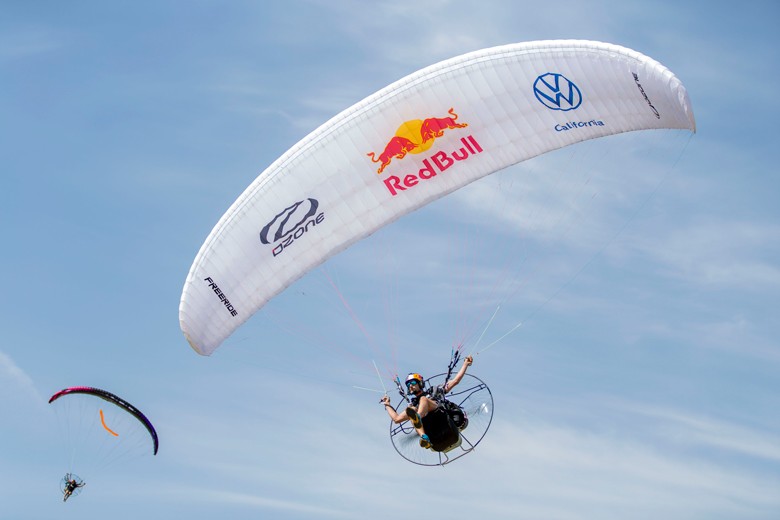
[412, 142]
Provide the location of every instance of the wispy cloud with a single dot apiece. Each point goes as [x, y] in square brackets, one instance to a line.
[566, 469]
[697, 252]
[230, 499]
[15, 380]
[697, 430]
[22, 407]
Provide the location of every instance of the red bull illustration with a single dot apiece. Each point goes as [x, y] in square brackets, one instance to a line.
[434, 127]
[415, 136]
[397, 148]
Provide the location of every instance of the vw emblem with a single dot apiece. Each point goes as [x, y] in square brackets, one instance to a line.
[288, 220]
[556, 92]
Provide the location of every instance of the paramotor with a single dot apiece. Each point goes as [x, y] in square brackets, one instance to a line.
[455, 429]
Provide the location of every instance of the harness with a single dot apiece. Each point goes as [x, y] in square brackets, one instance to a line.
[434, 394]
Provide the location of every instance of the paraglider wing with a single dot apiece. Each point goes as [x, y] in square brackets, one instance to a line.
[412, 142]
[115, 400]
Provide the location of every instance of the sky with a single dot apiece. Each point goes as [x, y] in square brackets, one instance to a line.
[640, 377]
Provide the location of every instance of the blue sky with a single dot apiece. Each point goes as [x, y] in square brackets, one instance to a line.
[643, 382]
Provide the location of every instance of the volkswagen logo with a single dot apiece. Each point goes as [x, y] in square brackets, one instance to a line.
[288, 220]
[556, 92]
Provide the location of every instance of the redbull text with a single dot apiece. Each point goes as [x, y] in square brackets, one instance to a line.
[436, 163]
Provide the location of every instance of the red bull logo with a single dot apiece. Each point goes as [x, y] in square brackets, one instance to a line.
[415, 136]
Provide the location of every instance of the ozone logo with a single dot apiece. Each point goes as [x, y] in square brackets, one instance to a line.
[291, 224]
[281, 225]
[557, 92]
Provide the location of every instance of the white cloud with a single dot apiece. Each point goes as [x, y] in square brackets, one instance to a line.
[694, 429]
[22, 407]
[563, 470]
[719, 253]
[16, 382]
[226, 498]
